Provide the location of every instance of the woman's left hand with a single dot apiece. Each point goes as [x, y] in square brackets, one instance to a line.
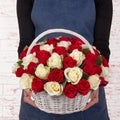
[94, 98]
[27, 98]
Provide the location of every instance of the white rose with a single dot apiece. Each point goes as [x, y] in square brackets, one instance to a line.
[73, 75]
[78, 56]
[65, 44]
[42, 43]
[105, 71]
[55, 61]
[42, 71]
[26, 81]
[47, 47]
[29, 58]
[84, 46]
[95, 48]
[53, 88]
[15, 67]
[94, 82]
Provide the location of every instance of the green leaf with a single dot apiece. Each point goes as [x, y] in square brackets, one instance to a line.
[35, 68]
[20, 63]
[64, 83]
[25, 47]
[82, 65]
[85, 76]
[85, 50]
[45, 40]
[46, 80]
[99, 61]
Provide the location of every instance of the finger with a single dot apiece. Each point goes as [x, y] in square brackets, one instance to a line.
[95, 93]
[29, 101]
[94, 99]
[89, 105]
[27, 92]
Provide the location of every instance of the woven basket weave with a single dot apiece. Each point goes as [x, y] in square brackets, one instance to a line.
[59, 104]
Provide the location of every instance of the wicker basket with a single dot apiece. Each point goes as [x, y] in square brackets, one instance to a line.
[60, 104]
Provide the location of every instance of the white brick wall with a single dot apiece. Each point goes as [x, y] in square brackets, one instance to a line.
[9, 88]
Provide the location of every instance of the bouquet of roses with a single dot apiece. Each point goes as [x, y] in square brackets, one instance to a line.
[61, 65]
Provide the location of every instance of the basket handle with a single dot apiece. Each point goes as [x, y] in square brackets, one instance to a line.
[59, 31]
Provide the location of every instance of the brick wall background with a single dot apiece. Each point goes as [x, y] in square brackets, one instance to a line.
[9, 85]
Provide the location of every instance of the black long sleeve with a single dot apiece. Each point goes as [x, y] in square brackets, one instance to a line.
[26, 27]
[101, 31]
[102, 26]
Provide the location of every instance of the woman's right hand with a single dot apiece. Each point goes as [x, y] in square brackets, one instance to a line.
[94, 96]
[27, 98]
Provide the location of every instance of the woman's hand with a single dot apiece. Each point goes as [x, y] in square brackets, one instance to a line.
[27, 98]
[94, 98]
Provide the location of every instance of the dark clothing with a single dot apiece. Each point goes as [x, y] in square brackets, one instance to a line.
[101, 29]
[78, 16]
[91, 20]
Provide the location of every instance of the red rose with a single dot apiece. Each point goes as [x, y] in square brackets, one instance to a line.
[98, 69]
[31, 68]
[91, 57]
[56, 75]
[103, 82]
[96, 52]
[76, 40]
[60, 50]
[19, 72]
[65, 38]
[52, 41]
[70, 91]
[38, 85]
[105, 62]
[89, 68]
[35, 49]
[23, 53]
[74, 46]
[83, 87]
[69, 62]
[43, 56]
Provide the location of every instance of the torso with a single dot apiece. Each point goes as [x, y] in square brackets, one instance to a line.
[78, 15]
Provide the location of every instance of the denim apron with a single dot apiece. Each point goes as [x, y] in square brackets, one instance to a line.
[76, 15]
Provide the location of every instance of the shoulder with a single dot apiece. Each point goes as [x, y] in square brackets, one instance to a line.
[98, 2]
[28, 2]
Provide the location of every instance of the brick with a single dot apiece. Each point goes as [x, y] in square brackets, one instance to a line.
[1, 111]
[1, 90]
[10, 111]
[6, 101]
[8, 118]
[8, 78]
[7, 7]
[11, 90]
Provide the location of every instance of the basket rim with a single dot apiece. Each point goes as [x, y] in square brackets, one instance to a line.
[59, 30]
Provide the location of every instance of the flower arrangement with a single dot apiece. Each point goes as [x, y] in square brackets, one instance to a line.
[61, 65]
